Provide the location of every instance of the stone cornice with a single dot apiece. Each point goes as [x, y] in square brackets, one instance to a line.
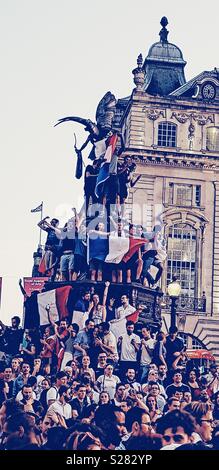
[168, 159]
[170, 102]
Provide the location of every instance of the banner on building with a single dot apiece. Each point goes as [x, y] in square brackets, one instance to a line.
[34, 283]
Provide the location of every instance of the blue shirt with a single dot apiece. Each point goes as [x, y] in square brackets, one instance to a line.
[82, 339]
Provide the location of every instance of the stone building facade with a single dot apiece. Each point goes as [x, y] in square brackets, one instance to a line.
[171, 130]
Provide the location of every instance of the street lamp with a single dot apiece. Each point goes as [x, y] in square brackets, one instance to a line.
[173, 290]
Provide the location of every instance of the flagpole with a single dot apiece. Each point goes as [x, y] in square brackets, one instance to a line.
[40, 228]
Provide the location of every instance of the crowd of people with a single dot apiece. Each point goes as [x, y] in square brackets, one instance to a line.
[79, 251]
[101, 379]
[63, 387]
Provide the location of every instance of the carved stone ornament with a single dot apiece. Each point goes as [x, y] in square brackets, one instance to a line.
[201, 119]
[153, 114]
[203, 230]
[181, 117]
[191, 131]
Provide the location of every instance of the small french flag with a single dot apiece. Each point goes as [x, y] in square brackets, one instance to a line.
[104, 169]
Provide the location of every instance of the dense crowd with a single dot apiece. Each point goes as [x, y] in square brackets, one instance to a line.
[62, 387]
[101, 379]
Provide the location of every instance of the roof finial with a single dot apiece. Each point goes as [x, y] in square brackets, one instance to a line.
[163, 32]
[139, 74]
[140, 61]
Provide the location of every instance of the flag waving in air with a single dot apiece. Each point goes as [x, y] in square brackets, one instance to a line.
[104, 172]
[38, 208]
[113, 249]
[56, 303]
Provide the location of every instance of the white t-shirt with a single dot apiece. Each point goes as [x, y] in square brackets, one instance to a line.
[52, 394]
[64, 410]
[123, 312]
[108, 384]
[110, 341]
[145, 356]
[128, 351]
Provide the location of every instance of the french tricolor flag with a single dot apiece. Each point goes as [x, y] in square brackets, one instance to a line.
[123, 249]
[104, 169]
[113, 249]
[55, 304]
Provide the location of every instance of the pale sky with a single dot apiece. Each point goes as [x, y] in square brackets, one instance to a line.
[58, 58]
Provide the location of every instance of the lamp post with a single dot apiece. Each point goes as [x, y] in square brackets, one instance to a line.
[174, 290]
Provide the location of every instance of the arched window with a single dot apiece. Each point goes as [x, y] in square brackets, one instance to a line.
[191, 341]
[166, 134]
[212, 139]
[181, 259]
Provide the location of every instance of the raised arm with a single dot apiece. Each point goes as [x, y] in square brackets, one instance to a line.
[22, 288]
[43, 224]
[105, 293]
[133, 182]
[113, 222]
[175, 363]
[58, 231]
[3, 326]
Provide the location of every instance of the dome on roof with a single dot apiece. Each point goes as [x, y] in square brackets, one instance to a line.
[164, 65]
[165, 52]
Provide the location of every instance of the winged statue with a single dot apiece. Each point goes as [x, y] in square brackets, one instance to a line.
[97, 131]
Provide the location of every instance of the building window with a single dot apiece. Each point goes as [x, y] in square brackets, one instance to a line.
[198, 195]
[184, 195]
[190, 342]
[196, 344]
[184, 337]
[212, 140]
[166, 134]
[181, 259]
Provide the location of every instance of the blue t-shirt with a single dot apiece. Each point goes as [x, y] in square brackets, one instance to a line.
[82, 339]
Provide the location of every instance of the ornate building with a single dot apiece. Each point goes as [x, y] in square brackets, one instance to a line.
[171, 129]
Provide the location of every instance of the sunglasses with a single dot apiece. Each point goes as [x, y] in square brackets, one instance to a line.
[176, 438]
[210, 421]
